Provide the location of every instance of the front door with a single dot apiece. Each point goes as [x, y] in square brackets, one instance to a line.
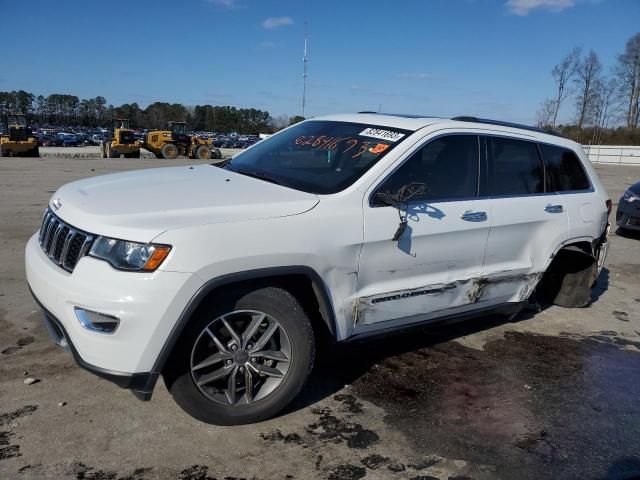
[435, 265]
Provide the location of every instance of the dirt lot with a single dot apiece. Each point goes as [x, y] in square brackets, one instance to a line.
[554, 394]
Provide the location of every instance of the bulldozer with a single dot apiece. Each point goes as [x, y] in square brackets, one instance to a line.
[174, 140]
[122, 141]
[18, 139]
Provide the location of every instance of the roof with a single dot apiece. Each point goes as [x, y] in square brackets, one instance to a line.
[405, 122]
[416, 122]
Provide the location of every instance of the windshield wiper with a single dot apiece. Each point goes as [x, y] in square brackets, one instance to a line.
[223, 164]
[258, 175]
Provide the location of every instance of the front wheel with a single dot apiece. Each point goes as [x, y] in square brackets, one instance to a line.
[243, 358]
[169, 151]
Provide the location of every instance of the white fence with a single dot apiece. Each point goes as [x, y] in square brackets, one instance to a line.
[613, 154]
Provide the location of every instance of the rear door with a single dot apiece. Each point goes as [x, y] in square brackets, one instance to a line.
[434, 267]
[528, 220]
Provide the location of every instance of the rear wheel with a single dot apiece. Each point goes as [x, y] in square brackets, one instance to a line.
[169, 151]
[203, 153]
[135, 154]
[243, 358]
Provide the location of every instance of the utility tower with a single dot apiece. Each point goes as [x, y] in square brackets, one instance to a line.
[304, 72]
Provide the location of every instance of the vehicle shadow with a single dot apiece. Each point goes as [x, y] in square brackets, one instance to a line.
[601, 286]
[338, 365]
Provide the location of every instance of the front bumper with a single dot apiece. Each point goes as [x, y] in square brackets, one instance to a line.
[628, 215]
[141, 384]
[147, 304]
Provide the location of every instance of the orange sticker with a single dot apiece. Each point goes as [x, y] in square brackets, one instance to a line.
[379, 148]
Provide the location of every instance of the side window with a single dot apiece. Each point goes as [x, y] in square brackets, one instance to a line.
[448, 166]
[564, 170]
[515, 168]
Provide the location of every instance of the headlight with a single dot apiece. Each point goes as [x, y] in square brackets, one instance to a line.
[629, 196]
[125, 255]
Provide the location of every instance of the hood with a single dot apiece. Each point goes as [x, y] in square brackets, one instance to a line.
[140, 205]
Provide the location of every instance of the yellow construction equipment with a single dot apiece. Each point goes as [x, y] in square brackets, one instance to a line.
[18, 139]
[174, 140]
[122, 141]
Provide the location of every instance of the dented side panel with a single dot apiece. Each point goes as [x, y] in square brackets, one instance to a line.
[438, 299]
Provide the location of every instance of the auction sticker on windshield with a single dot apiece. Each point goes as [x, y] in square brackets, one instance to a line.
[387, 135]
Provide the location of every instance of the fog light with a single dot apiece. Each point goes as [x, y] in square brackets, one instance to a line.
[97, 322]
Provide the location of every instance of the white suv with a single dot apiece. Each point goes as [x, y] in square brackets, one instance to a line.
[220, 278]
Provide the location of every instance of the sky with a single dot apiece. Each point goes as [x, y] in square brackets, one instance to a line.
[489, 58]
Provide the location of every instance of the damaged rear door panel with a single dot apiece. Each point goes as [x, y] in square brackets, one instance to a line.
[528, 222]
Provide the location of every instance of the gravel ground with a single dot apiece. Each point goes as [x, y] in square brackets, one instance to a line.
[553, 394]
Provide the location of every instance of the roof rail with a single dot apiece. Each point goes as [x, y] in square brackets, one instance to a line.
[488, 121]
[403, 115]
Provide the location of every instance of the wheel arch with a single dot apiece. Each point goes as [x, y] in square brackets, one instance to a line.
[570, 274]
[289, 277]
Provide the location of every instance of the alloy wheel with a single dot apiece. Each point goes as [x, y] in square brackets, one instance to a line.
[240, 357]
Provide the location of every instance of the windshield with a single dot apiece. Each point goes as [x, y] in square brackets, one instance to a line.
[178, 128]
[318, 156]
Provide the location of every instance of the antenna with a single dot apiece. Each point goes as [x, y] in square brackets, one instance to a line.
[304, 71]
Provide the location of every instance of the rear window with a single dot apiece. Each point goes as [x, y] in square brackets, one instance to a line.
[318, 156]
[515, 168]
[564, 170]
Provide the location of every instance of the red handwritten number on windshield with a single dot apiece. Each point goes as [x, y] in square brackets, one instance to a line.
[331, 143]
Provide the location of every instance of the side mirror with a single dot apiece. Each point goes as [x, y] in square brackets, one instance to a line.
[403, 195]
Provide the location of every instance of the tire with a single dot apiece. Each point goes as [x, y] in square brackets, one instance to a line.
[2, 154]
[36, 152]
[111, 152]
[169, 151]
[135, 154]
[211, 402]
[215, 153]
[203, 153]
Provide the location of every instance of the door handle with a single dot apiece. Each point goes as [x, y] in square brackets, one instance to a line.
[550, 208]
[470, 216]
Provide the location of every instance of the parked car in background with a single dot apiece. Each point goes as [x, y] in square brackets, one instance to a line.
[97, 139]
[49, 141]
[83, 139]
[628, 213]
[68, 139]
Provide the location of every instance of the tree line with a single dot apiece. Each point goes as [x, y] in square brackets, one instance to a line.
[606, 105]
[70, 110]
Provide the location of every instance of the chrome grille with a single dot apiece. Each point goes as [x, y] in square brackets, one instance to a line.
[62, 243]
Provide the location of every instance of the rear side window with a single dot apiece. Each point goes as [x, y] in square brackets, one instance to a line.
[515, 168]
[447, 165]
[564, 170]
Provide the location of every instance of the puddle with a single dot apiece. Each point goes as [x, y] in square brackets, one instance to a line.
[531, 405]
